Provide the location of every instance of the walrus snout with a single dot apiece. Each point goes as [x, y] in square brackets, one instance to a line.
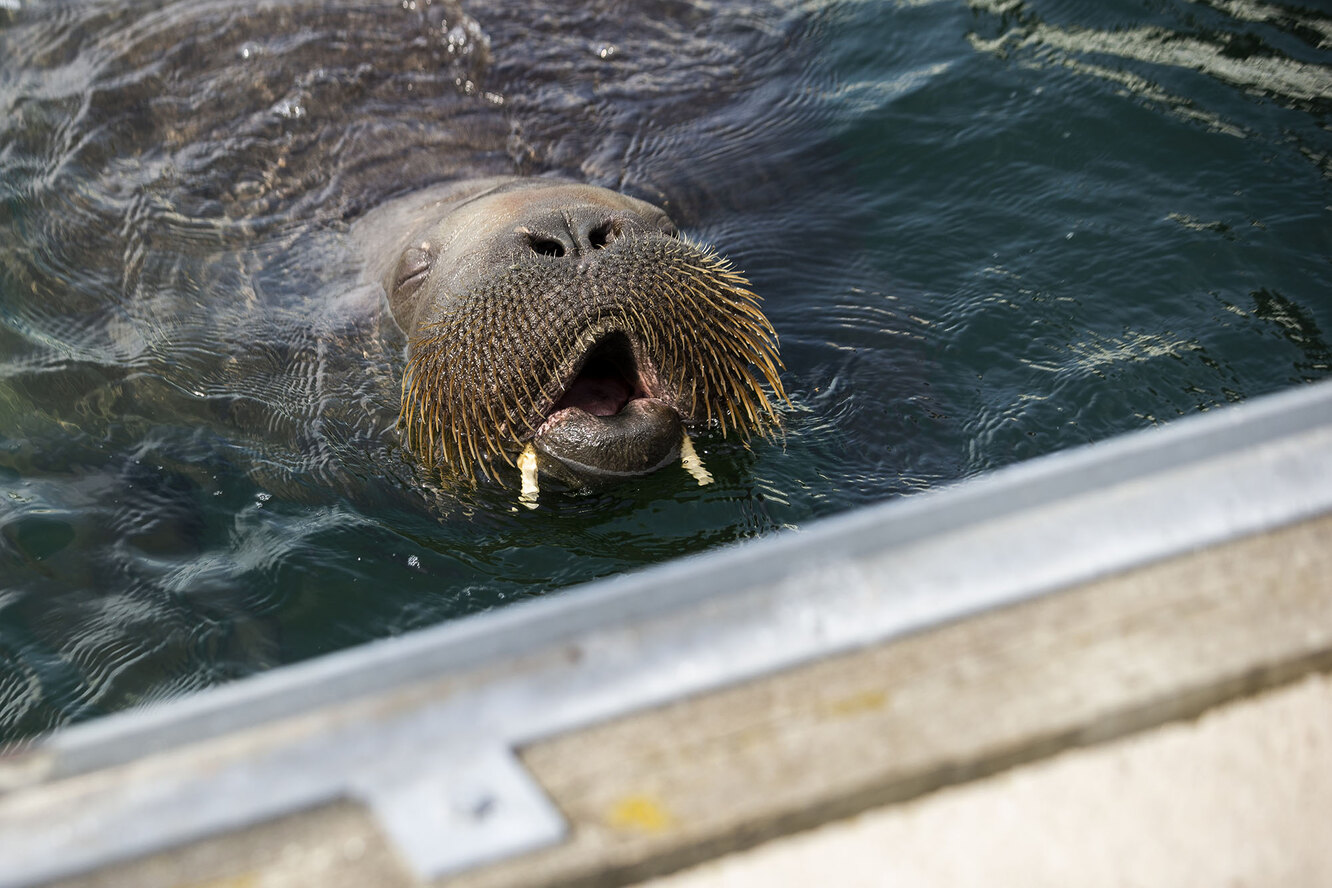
[567, 329]
[580, 447]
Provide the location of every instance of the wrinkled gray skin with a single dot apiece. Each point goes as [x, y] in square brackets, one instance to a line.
[427, 247]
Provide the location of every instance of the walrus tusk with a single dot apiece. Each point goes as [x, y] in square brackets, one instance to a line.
[527, 465]
[693, 465]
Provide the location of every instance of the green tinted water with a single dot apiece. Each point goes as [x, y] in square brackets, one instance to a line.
[984, 232]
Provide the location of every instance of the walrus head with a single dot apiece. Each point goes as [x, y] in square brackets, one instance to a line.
[569, 328]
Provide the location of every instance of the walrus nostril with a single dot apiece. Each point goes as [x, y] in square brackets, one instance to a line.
[603, 234]
[545, 246]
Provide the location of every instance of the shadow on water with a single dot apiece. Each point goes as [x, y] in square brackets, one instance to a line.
[984, 231]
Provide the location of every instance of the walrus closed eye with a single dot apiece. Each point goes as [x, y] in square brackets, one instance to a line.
[567, 330]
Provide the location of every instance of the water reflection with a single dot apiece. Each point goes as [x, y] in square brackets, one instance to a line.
[1284, 60]
[1298, 326]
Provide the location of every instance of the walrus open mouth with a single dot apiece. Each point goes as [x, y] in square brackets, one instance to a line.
[611, 420]
[607, 379]
[598, 367]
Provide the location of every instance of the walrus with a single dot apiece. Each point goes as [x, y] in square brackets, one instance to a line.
[247, 168]
[566, 329]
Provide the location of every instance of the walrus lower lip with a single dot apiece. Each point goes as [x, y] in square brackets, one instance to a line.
[578, 446]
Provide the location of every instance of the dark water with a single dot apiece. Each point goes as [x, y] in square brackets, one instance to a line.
[984, 232]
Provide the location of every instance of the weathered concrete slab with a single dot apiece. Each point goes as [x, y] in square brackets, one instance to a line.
[1238, 797]
[656, 791]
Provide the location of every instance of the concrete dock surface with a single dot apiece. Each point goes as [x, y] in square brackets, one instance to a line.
[1240, 797]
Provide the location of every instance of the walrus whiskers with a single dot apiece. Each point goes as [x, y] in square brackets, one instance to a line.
[483, 375]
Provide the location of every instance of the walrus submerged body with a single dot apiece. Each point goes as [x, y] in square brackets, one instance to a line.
[236, 143]
[565, 328]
